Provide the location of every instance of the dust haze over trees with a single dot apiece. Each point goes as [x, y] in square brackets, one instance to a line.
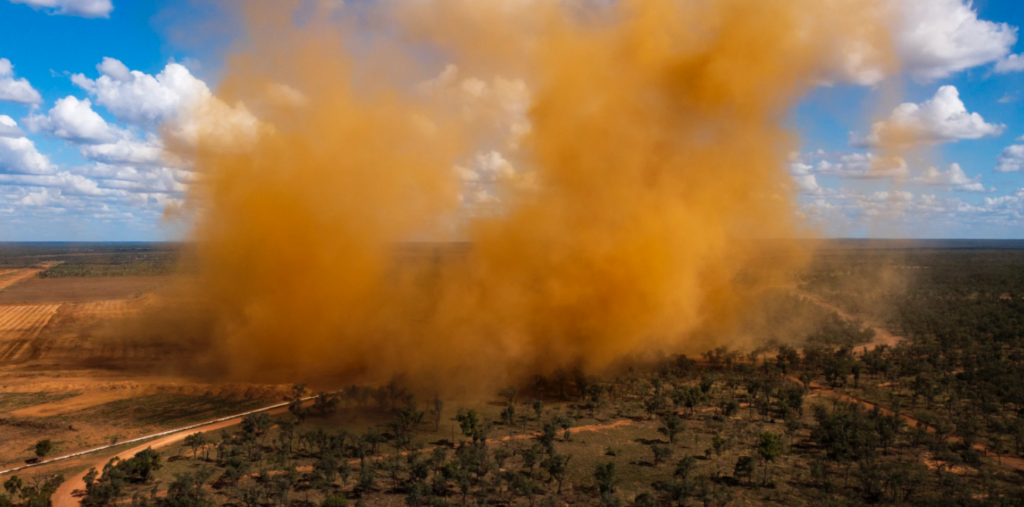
[933, 419]
[608, 163]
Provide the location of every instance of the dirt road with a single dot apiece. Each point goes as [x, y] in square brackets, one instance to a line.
[70, 493]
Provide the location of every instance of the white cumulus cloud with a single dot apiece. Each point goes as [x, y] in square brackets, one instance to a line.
[932, 39]
[9, 127]
[16, 90]
[1011, 159]
[937, 38]
[954, 177]
[804, 178]
[83, 8]
[139, 98]
[138, 179]
[18, 154]
[173, 98]
[74, 120]
[852, 165]
[941, 119]
[1012, 63]
[126, 151]
[68, 183]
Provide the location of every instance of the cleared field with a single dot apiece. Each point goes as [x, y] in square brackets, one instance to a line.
[99, 334]
[13, 276]
[19, 325]
[109, 309]
[59, 290]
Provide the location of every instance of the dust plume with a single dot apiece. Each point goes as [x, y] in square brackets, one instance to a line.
[474, 191]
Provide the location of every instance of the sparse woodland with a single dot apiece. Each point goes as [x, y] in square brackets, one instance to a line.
[811, 420]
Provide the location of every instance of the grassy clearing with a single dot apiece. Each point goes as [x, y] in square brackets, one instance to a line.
[168, 410]
[10, 402]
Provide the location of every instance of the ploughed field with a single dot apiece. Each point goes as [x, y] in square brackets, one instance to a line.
[55, 319]
[19, 327]
[65, 376]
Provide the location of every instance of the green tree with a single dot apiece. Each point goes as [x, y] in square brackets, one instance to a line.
[538, 409]
[605, 477]
[672, 425]
[325, 403]
[547, 436]
[769, 447]
[195, 442]
[295, 407]
[43, 447]
[471, 425]
[744, 467]
[367, 477]
[525, 487]
[685, 467]
[566, 423]
[509, 393]
[334, 501]
[14, 484]
[661, 453]
[436, 410]
[256, 425]
[187, 490]
[508, 416]
[719, 444]
[373, 438]
[557, 467]
[787, 359]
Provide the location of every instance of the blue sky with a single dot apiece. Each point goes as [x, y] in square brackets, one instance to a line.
[74, 171]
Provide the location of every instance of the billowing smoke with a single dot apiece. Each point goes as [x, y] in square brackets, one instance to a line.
[474, 191]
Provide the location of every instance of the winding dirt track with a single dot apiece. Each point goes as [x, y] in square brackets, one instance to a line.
[884, 337]
[1007, 461]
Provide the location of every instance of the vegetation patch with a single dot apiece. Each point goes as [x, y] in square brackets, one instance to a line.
[168, 410]
[10, 402]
